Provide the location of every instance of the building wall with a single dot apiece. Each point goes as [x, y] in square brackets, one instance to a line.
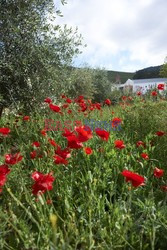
[135, 85]
[144, 87]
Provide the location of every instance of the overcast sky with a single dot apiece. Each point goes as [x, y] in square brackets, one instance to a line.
[123, 35]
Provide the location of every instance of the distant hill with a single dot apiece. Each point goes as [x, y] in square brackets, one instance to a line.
[115, 76]
[122, 77]
[118, 76]
[146, 73]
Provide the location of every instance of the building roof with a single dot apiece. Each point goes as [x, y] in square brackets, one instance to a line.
[152, 80]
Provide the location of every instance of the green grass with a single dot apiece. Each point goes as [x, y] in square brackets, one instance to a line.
[92, 205]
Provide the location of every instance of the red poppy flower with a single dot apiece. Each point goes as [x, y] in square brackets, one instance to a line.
[98, 106]
[13, 159]
[68, 100]
[135, 179]
[145, 156]
[140, 143]
[164, 188]
[103, 134]
[43, 182]
[4, 171]
[4, 131]
[64, 153]
[73, 142]
[119, 144]
[36, 144]
[116, 121]
[154, 93]
[67, 133]
[89, 101]
[84, 134]
[49, 201]
[63, 96]
[124, 98]
[48, 100]
[33, 154]
[55, 108]
[52, 142]
[79, 99]
[65, 105]
[69, 111]
[43, 132]
[91, 108]
[83, 107]
[60, 160]
[161, 86]
[88, 151]
[160, 133]
[107, 102]
[26, 118]
[139, 93]
[2, 180]
[158, 172]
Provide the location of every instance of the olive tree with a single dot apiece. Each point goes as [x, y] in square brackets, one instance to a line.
[33, 50]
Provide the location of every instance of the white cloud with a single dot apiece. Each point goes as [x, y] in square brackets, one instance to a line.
[120, 34]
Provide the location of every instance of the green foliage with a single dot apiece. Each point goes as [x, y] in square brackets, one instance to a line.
[77, 81]
[163, 71]
[32, 50]
[92, 206]
[118, 76]
[140, 119]
[102, 85]
[115, 96]
[91, 83]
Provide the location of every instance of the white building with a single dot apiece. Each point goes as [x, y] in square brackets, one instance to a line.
[142, 85]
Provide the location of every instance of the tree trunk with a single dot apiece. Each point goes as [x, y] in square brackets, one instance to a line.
[1, 110]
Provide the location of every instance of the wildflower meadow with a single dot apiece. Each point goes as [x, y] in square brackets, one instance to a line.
[64, 185]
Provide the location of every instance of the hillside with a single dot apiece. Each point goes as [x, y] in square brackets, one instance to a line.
[122, 77]
[147, 73]
[114, 76]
